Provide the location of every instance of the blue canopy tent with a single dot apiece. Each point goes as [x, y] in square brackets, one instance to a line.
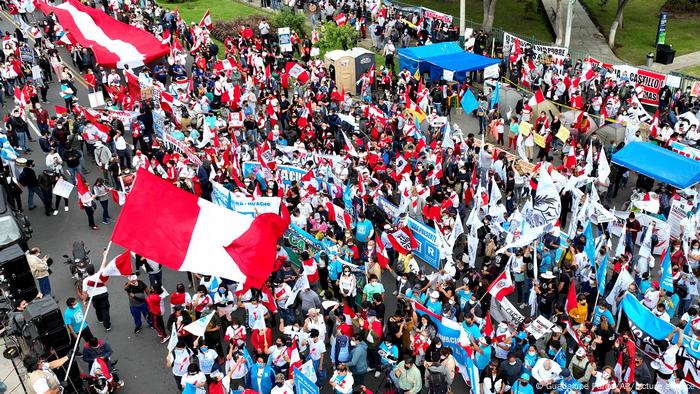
[418, 57]
[658, 163]
[459, 63]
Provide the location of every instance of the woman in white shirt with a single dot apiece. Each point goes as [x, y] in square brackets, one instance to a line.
[342, 380]
[122, 150]
[348, 285]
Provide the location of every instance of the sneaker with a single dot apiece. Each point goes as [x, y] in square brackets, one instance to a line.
[165, 339]
[105, 222]
[95, 228]
[32, 208]
[137, 330]
[121, 383]
[523, 305]
[65, 209]
[377, 374]
[108, 329]
[55, 212]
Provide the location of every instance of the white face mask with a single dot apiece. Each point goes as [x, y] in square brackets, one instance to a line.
[606, 375]
[511, 362]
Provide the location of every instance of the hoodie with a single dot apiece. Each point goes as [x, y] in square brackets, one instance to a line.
[358, 359]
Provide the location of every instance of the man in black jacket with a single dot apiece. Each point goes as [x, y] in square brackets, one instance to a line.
[29, 180]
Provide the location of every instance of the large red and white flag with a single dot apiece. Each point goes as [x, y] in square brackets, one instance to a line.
[297, 71]
[206, 20]
[382, 255]
[114, 43]
[402, 240]
[83, 191]
[501, 286]
[180, 231]
[119, 266]
[133, 85]
[536, 99]
[339, 215]
[119, 197]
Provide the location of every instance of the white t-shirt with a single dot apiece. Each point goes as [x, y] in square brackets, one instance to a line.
[255, 313]
[194, 380]
[287, 388]
[181, 360]
[667, 363]
[316, 349]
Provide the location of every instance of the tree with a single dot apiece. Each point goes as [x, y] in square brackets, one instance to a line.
[617, 22]
[337, 37]
[288, 18]
[489, 14]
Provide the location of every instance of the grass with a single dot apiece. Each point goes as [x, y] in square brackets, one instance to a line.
[192, 11]
[694, 71]
[641, 19]
[514, 16]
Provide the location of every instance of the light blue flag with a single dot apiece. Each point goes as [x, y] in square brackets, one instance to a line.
[600, 275]
[494, 96]
[590, 243]
[473, 375]
[447, 141]
[666, 281]
[469, 102]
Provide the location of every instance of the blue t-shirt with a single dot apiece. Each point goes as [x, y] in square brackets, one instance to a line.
[608, 315]
[482, 360]
[434, 306]
[392, 351]
[74, 316]
[363, 230]
[518, 388]
[567, 386]
[473, 330]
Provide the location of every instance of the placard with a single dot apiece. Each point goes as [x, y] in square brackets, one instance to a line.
[525, 128]
[63, 188]
[539, 140]
[285, 39]
[673, 81]
[448, 75]
[96, 99]
[563, 134]
[540, 327]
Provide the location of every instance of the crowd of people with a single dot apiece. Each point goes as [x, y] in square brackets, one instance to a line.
[358, 301]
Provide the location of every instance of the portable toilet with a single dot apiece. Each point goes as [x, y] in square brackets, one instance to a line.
[349, 67]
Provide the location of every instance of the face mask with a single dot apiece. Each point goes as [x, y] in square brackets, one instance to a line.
[452, 302]
[222, 291]
[403, 280]
[260, 365]
[279, 384]
[204, 349]
[406, 367]
[511, 362]
[523, 384]
[438, 346]
[370, 319]
[606, 375]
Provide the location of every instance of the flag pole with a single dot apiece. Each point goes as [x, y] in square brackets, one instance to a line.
[87, 309]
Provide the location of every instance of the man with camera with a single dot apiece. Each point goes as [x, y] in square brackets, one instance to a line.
[40, 377]
[40, 270]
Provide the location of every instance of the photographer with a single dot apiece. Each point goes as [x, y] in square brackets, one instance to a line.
[40, 270]
[408, 377]
[40, 377]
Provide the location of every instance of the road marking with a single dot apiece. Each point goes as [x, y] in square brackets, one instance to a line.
[36, 130]
[75, 72]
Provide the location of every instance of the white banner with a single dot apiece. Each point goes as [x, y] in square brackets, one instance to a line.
[509, 40]
[63, 188]
[244, 205]
[540, 327]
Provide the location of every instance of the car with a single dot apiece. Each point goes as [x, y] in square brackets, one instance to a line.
[14, 226]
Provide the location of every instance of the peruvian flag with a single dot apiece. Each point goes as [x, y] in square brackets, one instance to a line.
[471, 188]
[225, 64]
[192, 234]
[501, 286]
[339, 215]
[114, 43]
[310, 270]
[488, 327]
[536, 99]
[570, 161]
[167, 101]
[206, 20]
[294, 359]
[382, 255]
[119, 266]
[654, 128]
[402, 240]
[314, 36]
[83, 191]
[588, 75]
[266, 156]
[60, 110]
[341, 19]
[133, 85]
[267, 299]
[297, 71]
[119, 197]
[571, 302]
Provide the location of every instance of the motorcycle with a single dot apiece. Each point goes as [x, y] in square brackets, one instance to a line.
[78, 264]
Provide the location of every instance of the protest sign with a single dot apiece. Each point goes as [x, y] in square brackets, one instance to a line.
[63, 188]
[302, 383]
[660, 230]
[680, 209]
[504, 311]
[244, 205]
[288, 174]
[540, 327]
[650, 81]
[685, 150]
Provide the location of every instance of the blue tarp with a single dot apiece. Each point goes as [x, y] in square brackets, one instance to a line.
[418, 57]
[460, 63]
[658, 163]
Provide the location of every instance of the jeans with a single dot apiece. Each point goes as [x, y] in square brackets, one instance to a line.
[76, 170]
[320, 374]
[156, 277]
[520, 292]
[22, 140]
[90, 212]
[44, 286]
[136, 312]
[31, 191]
[105, 210]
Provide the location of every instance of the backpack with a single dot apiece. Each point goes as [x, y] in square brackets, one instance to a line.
[437, 383]
[342, 349]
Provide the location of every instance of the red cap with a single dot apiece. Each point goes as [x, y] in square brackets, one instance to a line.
[655, 284]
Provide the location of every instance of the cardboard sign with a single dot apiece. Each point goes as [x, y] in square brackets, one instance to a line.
[63, 188]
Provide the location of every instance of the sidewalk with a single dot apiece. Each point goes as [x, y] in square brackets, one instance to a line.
[8, 374]
[585, 36]
[680, 62]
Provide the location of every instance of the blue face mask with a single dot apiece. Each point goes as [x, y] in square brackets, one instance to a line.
[222, 291]
[203, 349]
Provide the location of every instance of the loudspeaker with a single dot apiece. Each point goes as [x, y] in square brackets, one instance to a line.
[75, 383]
[665, 54]
[15, 271]
[45, 328]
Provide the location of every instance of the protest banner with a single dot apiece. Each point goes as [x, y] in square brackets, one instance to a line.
[651, 82]
[685, 150]
[170, 142]
[646, 328]
[288, 174]
[504, 311]
[661, 230]
[509, 40]
[63, 188]
[431, 15]
[449, 332]
[244, 205]
[695, 90]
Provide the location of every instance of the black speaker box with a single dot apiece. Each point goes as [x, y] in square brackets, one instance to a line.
[45, 328]
[15, 269]
[74, 384]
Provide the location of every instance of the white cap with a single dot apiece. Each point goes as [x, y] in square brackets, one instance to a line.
[434, 294]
